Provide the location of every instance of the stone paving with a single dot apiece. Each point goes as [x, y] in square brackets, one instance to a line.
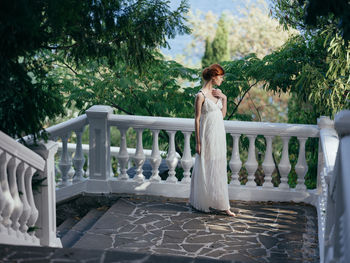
[261, 232]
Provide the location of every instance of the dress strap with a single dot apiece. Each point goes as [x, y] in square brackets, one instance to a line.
[202, 93]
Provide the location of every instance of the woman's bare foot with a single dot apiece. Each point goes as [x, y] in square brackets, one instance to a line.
[230, 213]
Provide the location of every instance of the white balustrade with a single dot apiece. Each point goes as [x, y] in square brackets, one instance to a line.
[17, 217]
[301, 166]
[65, 161]
[235, 161]
[186, 160]
[251, 165]
[6, 200]
[155, 157]
[171, 159]
[79, 160]
[20, 211]
[18, 206]
[334, 228]
[268, 164]
[139, 157]
[34, 213]
[123, 154]
[24, 171]
[284, 166]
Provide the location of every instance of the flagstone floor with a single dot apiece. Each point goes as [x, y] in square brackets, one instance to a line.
[261, 232]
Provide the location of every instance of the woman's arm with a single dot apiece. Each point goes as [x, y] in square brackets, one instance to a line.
[218, 93]
[198, 108]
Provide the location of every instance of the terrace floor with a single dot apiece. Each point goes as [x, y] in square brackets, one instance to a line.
[158, 229]
[261, 232]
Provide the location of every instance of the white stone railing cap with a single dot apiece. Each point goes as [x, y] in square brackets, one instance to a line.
[342, 123]
[21, 152]
[63, 128]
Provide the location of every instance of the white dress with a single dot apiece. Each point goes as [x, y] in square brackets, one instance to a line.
[209, 174]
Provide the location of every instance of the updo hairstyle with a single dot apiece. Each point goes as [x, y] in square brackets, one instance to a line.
[212, 71]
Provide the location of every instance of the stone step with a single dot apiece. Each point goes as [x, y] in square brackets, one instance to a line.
[10, 253]
[81, 227]
[67, 224]
[107, 225]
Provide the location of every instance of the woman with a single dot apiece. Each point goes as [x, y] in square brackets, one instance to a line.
[209, 175]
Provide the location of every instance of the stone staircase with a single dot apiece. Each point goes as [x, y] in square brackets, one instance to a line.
[262, 231]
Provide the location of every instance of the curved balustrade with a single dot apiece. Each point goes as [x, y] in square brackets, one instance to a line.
[334, 200]
[18, 211]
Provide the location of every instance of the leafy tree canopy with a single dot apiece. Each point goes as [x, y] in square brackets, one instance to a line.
[116, 31]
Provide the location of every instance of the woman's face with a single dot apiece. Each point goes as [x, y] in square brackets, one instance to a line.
[217, 80]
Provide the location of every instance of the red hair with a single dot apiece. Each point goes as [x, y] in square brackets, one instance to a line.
[212, 71]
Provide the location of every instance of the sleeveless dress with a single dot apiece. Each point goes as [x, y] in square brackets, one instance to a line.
[209, 175]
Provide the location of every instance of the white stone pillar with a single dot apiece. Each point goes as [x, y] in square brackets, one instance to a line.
[79, 160]
[7, 202]
[46, 199]
[301, 166]
[171, 159]
[251, 165]
[18, 207]
[65, 163]
[268, 164]
[139, 157]
[284, 165]
[155, 157]
[123, 156]
[186, 160]
[235, 162]
[99, 142]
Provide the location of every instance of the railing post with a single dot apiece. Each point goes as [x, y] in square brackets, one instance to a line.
[46, 199]
[235, 162]
[186, 160]
[99, 142]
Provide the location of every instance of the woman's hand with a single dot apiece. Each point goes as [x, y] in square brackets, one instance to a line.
[198, 148]
[218, 93]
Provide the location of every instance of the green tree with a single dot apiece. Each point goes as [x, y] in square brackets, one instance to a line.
[250, 30]
[220, 42]
[115, 31]
[208, 57]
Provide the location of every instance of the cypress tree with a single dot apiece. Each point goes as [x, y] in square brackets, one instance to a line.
[220, 42]
[208, 57]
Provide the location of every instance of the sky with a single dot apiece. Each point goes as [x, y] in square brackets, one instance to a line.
[216, 6]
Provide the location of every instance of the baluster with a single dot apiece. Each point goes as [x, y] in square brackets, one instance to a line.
[186, 161]
[87, 174]
[33, 216]
[301, 166]
[251, 165]
[235, 162]
[139, 156]
[65, 162]
[284, 165]
[268, 164]
[123, 156]
[18, 206]
[21, 174]
[5, 196]
[155, 157]
[79, 159]
[171, 159]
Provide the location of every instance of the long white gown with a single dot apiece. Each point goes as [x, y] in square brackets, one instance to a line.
[209, 174]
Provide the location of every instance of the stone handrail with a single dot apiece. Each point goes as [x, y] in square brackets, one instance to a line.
[100, 179]
[335, 199]
[21, 210]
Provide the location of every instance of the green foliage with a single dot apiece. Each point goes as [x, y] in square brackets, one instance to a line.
[338, 10]
[217, 51]
[34, 32]
[220, 42]
[208, 57]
